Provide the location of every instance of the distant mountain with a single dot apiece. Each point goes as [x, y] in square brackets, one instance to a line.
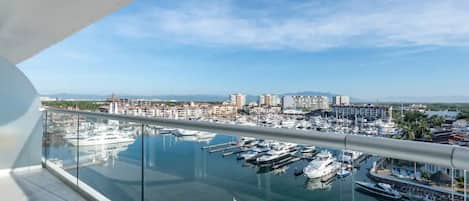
[183, 98]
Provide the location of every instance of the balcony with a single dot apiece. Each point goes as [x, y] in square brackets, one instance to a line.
[116, 157]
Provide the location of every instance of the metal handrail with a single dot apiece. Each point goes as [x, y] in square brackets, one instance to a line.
[438, 154]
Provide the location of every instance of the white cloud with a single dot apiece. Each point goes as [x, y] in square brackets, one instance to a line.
[306, 26]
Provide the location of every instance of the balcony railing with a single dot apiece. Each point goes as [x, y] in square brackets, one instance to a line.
[136, 158]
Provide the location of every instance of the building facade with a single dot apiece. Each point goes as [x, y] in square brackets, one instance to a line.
[341, 100]
[269, 100]
[238, 100]
[370, 112]
[306, 102]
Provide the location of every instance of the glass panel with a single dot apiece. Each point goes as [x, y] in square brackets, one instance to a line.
[110, 157]
[190, 165]
[59, 128]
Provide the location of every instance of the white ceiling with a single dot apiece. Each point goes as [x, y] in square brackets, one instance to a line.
[29, 26]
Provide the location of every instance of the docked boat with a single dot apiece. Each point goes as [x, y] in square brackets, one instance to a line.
[322, 165]
[184, 132]
[272, 156]
[249, 156]
[308, 149]
[342, 173]
[101, 139]
[380, 189]
[166, 131]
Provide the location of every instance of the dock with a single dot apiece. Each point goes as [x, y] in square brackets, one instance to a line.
[219, 145]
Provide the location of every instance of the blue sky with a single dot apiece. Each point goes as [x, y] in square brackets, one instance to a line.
[363, 48]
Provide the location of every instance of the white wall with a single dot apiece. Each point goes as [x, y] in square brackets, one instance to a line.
[20, 119]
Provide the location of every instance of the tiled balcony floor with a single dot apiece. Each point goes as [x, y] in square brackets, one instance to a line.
[35, 185]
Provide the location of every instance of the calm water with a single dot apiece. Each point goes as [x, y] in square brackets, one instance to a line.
[176, 169]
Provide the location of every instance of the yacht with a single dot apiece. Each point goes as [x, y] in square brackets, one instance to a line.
[322, 165]
[101, 139]
[308, 149]
[249, 156]
[273, 155]
[184, 132]
[381, 189]
[165, 131]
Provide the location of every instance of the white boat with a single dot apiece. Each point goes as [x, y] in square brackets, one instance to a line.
[165, 131]
[308, 149]
[100, 139]
[273, 155]
[249, 156]
[381, 189]
[322, 165]
[184, 132]
[317, 184]
[342, 173]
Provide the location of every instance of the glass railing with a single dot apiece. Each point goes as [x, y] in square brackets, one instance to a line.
[125, 160]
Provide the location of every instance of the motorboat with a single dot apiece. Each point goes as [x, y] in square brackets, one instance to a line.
[273, 155]
[184, 132]
[322, 165]
[381, 189]
[249, 156]
[166, 131]
[342, 173]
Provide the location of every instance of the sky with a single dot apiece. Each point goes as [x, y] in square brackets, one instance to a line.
[362, 48]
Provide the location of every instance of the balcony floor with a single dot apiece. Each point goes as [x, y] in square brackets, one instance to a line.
[36, 185]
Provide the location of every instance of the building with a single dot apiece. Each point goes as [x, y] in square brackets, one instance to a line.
[370, 112]
[341, 100]
[269, 100]
[238, 100]
[306, 102]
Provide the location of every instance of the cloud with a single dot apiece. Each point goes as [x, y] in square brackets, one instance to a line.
[308, 26]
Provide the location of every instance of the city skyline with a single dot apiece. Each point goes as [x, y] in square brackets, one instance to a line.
[223, 47]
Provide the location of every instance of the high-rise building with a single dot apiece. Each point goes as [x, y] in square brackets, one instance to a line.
[238, 100]
[341, 100]
[269, 100]
[306, 102]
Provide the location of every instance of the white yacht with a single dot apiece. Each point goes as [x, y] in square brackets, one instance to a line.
[100, 139]
[249, 156]
[165, 131]
[184, 132]
[273, 155]
[322, 165]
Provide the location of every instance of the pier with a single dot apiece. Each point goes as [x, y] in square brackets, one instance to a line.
[219, 145]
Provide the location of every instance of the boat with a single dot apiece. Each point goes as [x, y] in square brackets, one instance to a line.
[308, 149]
[184, 132]
[322, 165]
[165, 131]
[317, 184]
[249, 156]
[342, 173]
[100, 139]
[381, 189]
[272, 156]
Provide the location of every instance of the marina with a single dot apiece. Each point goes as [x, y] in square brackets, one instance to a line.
[322, 170]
